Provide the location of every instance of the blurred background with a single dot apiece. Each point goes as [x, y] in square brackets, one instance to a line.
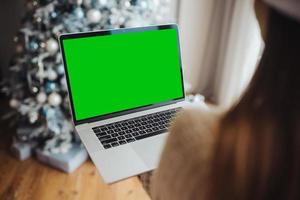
[221, 46]
[10, 15]
[213, 35]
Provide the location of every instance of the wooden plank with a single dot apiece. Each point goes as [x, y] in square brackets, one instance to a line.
[32, 180]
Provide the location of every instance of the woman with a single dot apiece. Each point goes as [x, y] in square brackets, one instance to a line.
[251, 151]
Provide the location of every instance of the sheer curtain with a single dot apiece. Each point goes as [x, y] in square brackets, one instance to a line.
[221, 46]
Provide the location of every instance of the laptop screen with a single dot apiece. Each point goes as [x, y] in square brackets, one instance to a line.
[122, 71]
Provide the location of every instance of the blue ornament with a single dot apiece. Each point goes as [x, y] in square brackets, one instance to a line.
[33, 45]
[78, 12]
[60, 69]
[53, 15]
[50, 87]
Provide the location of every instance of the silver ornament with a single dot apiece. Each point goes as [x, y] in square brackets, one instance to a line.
[33, 117]
[87, 3]
[103, 2]
[41, 97]
[14, 103]
[63, 83]
[51, 74]
[42, 45]
[93, 16]
[51, 45]
[54, 99]
[34, 89]
[144, 5]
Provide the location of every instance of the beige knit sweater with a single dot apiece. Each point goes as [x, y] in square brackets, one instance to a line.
[185, 160]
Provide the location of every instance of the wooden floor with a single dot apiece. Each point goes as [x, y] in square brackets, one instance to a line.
[34, 181]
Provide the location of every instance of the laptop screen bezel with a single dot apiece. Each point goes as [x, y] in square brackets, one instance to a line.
[113, 32]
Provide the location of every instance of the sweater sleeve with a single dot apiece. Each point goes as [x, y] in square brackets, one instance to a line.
[184, 163]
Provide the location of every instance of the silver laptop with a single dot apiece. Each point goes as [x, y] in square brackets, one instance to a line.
[125, 86]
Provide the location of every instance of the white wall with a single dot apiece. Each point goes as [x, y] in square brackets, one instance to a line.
[194, 20]
[220, 46]
[240, 53]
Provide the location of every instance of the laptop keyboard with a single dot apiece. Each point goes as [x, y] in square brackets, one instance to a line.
[127, 131]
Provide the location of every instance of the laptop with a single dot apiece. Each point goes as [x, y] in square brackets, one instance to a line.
[125, 86]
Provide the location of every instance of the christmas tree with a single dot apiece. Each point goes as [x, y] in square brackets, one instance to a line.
[37, 85]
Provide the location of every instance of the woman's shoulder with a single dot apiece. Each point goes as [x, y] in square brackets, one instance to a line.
[192, 134]
[195, 114]
[187, 153]
[195, 123]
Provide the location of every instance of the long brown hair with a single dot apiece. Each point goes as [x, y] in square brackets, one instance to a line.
[257, 151]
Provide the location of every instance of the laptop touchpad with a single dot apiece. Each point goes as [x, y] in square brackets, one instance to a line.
[150, 149]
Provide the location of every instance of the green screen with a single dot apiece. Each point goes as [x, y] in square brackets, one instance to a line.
[118, 72]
